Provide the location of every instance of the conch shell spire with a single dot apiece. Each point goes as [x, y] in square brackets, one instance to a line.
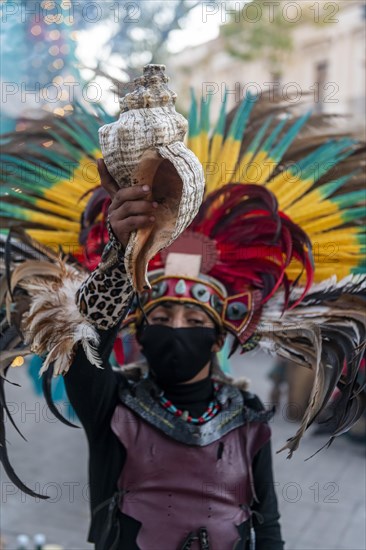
[145, 146]
[151, 90]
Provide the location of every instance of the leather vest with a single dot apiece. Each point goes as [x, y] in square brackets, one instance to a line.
[174, 488]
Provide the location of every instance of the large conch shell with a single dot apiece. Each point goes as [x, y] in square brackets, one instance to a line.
[145, 147]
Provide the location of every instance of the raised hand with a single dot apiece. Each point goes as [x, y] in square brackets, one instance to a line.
[131, 208]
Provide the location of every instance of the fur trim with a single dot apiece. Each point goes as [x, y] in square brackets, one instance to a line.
[53, 325]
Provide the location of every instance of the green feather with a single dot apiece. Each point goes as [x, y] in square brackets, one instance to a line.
[234, 124]
[205, 114]
[8, 210]
[353, 214]
[349, 199]
[250, 101]
[281, 148]
[327, 189]
[9, 192]
[193, 128]
[220, 126]
[267, 145]
[259, 136]
[74, 131]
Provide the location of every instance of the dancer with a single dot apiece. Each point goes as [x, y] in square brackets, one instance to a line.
[159, 434]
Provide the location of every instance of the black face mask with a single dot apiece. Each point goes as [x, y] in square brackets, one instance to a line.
[176, 355]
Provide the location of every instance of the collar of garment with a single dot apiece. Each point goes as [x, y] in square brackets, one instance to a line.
[193, 397]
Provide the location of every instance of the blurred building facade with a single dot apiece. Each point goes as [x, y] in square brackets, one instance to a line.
[326, 67]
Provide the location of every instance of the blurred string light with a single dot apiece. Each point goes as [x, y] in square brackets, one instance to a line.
[58, 64]
[54, 50]
[54, 35]
[36, 30]
[35, 52]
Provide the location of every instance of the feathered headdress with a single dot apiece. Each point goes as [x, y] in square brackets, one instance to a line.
[285, 206]
[279, 236]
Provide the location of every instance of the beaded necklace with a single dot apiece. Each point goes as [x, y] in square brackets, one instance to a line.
[211, 411]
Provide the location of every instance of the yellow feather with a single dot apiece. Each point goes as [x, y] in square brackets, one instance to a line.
[204, 149]
[226, 163]
[53, 221]
[83, 178]
[294, 190]
[63, 198]
[287, 187]
[71, 188]
[209, 187]
[322, 273]
[334, 254]
[307, 201]
[216, 145]
[86, 174]
[342, 235]
[313, 211]
[57, 209]
[53, 239]
[41, 235]
[241, 171]
[260, 168]
[194, 144]
[329, 246]
[328, 222]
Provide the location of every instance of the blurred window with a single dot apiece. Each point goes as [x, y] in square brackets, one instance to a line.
[321, 70]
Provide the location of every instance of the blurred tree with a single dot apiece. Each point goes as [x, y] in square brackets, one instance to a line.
[40, 38]
[140, 32]
[262, 29]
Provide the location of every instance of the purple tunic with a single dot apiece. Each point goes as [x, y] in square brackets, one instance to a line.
[173, 488]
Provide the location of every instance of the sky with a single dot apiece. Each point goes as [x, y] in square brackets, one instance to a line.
[199, 28]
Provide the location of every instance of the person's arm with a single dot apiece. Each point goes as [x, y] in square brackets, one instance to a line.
[102, 300]
[70, 310]
[266, 525]
[105, 296]
[266, 516]
[93, 392]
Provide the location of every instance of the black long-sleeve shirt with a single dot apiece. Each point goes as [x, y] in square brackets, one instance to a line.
[93, 393]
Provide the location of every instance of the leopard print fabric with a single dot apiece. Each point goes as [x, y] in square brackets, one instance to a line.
[107, 292]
